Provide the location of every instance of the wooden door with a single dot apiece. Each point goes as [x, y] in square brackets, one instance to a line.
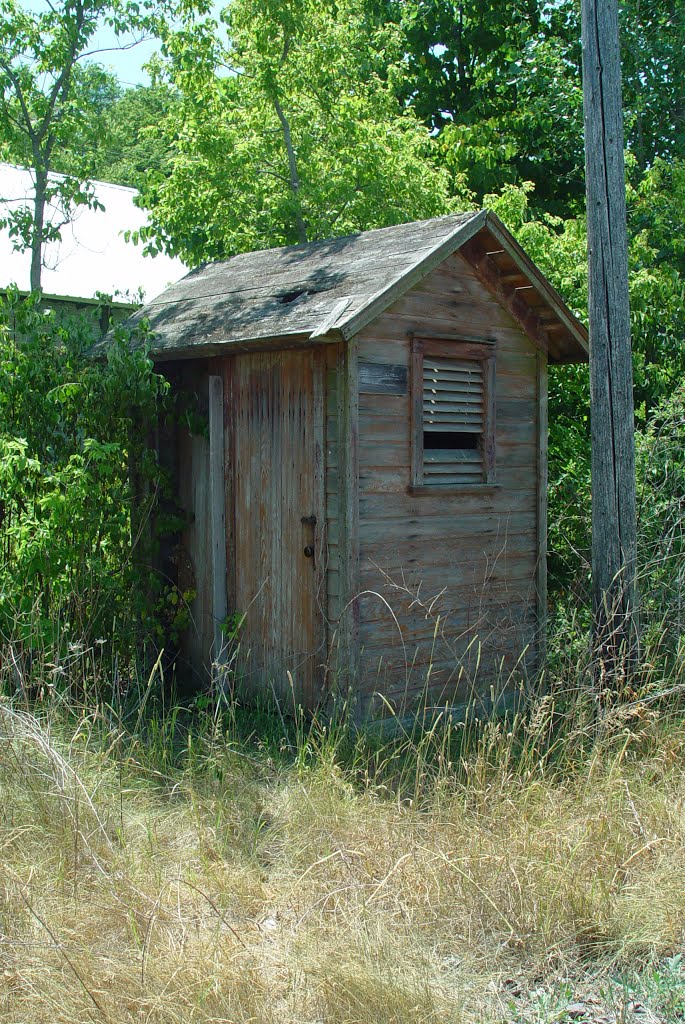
[275, 425]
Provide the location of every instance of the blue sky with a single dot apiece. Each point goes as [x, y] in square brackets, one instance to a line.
[118, 55]
[126, 63]
[124, 56]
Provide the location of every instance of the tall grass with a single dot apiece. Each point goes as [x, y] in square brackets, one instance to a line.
[175, 863]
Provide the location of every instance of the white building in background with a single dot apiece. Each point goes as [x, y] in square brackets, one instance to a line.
[92, 256]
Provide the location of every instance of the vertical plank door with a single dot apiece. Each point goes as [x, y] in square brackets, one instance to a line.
[276, 425]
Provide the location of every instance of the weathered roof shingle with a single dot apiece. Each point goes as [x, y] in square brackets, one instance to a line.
[304, 291]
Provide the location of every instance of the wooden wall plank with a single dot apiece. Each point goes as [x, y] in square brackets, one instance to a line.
[349, 489]
[484, 547]
[217, 505]
[454, 610]
[193, 555]
[407, 507]
[320, 596]
[473, 322]
[391, 479]
[542, 492]
[461, 580]
[230, 420]
[398, 530]
[334, 359]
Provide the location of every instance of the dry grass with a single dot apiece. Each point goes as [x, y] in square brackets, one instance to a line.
[346, 883]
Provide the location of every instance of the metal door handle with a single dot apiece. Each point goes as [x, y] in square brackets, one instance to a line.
[309, 551]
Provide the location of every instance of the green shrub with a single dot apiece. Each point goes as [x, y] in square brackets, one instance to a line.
[79, 484]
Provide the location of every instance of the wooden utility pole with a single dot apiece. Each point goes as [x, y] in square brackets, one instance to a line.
[611, 374]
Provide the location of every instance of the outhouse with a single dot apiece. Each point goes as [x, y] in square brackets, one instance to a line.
[365, 507]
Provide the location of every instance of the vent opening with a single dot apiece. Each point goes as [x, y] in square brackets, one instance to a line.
[448, 440]
[454, 420]
[289, 297]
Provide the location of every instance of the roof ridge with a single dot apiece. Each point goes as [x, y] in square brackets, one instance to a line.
[304, 246]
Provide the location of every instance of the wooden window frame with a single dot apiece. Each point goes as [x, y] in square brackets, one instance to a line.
[457, 347]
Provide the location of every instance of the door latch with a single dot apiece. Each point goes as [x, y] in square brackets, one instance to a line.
[309, 549]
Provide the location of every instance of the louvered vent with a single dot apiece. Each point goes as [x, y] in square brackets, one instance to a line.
[453, 420]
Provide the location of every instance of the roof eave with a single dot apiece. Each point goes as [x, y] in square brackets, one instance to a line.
[576, 331]
[76, 300]
[264, 343]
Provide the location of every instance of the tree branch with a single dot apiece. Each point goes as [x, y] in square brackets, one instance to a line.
[19, 92]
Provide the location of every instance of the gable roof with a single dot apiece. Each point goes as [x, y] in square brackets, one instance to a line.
[335, 288]
[91, 255]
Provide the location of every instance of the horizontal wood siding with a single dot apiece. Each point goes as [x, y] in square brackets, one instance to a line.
[449, 605]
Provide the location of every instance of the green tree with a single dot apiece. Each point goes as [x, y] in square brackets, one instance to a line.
[656, 208]
[131, 150]
[49, 95]
[287, 131]
[500, 85]
[460, 55]
[653, 58]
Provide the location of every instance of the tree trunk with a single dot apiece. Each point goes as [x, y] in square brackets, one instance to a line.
[292, 167]
[611, 376]
[38, 226]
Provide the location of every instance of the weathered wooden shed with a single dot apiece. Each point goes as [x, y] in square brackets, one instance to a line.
[369, 499]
